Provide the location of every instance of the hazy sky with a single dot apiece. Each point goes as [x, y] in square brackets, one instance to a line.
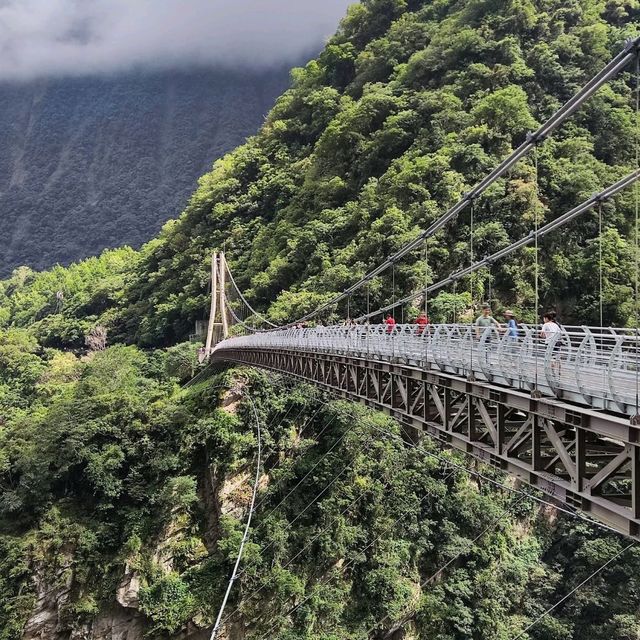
[60, 37]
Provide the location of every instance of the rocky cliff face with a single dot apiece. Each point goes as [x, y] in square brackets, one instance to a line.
[49, 618]
[89, 163]
[122, 619]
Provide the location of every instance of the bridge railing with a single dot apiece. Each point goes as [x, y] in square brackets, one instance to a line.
[596, 366]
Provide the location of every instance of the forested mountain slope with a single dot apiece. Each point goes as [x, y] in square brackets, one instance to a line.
[409, 106]
[122, 496]
[89, 163]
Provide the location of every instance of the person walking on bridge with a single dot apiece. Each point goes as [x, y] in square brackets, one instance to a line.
[513, 333]
[512, 325]
[391, 324]
[422, 321]
[550, 331]
[550, 326]
[485, 320]
[483, 324]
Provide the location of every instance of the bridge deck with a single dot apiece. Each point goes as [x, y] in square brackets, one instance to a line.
[585, 456]
[596, 367]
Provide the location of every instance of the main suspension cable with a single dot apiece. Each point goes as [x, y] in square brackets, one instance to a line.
[238, 320]
[615, 66]
[242, 297]
[587, 205]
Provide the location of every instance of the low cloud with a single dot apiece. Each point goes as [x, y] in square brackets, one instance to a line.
[79, 37]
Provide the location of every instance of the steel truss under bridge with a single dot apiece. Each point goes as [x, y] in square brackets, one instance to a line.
[584, 458]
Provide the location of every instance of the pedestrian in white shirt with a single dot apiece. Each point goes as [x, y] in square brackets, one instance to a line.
[550, 326]
[549, 332]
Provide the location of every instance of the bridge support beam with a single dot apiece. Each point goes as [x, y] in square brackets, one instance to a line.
[218, 326]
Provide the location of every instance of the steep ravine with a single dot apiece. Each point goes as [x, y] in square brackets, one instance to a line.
[349, 525]
[117, 487]
[220, 494]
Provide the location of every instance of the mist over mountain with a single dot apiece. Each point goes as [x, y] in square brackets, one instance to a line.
[95, 162]
[48, 38]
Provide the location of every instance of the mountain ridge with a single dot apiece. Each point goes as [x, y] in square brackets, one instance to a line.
[97, 162]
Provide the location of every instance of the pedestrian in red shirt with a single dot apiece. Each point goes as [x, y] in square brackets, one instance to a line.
[391, 324]
[422, 321]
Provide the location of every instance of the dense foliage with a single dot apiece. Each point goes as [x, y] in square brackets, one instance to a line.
[410, 104]
[109, 470]
[113, 475]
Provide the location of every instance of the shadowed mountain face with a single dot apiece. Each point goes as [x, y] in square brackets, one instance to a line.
[99, 162]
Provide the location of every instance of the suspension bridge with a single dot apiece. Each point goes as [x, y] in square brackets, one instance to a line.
[559, 412]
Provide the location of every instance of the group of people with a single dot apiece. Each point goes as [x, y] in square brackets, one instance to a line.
[421, 323]
[550, 326]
